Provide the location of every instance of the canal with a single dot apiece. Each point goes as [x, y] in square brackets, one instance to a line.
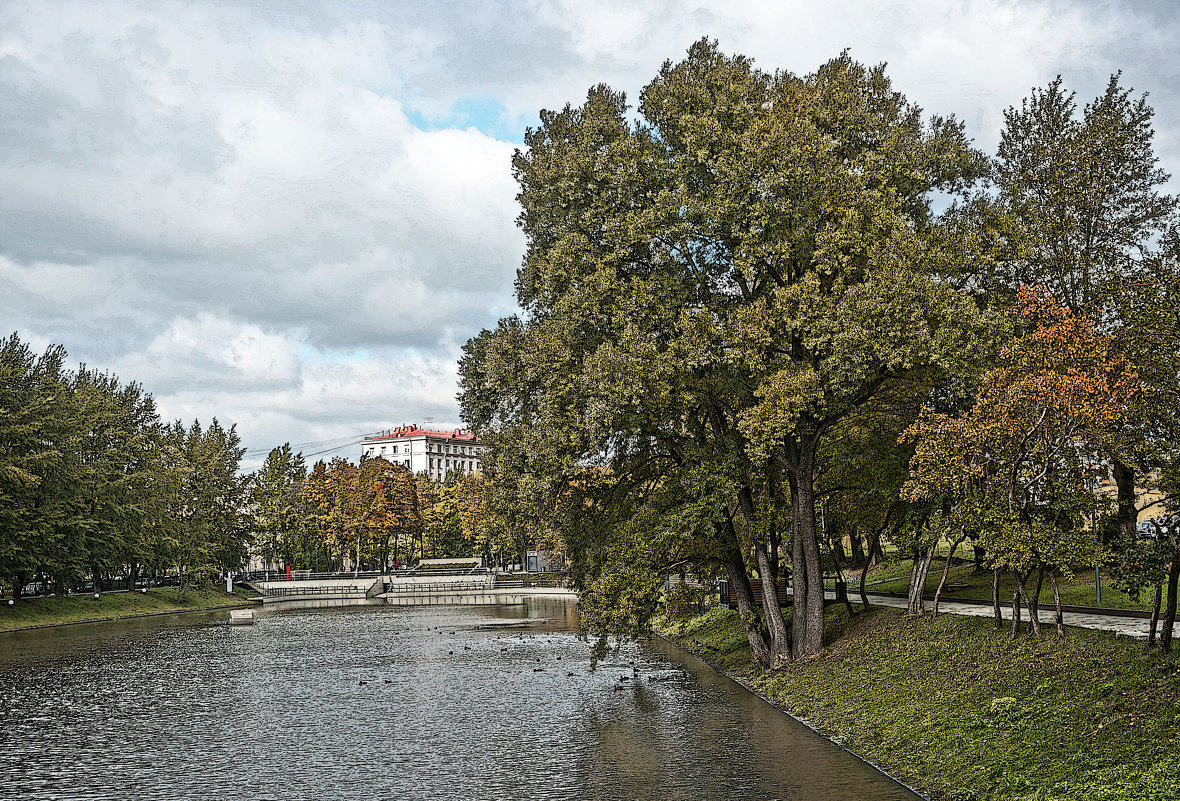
[381, 702]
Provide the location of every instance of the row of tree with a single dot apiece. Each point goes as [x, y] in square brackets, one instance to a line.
[763, 294]
[93, 485]
[374, 514]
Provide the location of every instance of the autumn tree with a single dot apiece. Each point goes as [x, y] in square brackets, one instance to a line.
[1018, 467]
[1085, 187]
[326, 489]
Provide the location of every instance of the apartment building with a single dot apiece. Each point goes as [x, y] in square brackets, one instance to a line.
[423, 450]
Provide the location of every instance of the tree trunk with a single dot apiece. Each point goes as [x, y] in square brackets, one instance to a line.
[946, 569]
[806, 576]
[1034, 622]
[916, 605]
[1035, 609]
[979, 553]
[739, 590]
[874, 545]
[1128, 512]
[1170, 614]
[1155, 615]
[1057, 605]
[841, 581]
[780, 644]
[772, 613]
[858, 555]
[1015, 628]
[876, 552]
[999, 618]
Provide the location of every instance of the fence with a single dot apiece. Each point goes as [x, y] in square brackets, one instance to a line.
[434, 587]
[341, 590]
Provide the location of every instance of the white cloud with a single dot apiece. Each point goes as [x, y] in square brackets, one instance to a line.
[231, 203]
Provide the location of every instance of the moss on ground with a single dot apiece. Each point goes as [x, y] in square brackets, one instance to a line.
[961, 712]
[34, 612]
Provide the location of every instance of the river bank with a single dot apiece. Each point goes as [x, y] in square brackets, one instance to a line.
[961, 713]
[31, 613]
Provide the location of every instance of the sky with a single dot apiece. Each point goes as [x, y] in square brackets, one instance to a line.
[291, 215]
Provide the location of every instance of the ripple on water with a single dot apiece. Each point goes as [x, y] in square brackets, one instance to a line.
[393, 702]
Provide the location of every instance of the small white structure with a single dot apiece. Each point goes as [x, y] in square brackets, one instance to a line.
[241, 617]
[422, 450]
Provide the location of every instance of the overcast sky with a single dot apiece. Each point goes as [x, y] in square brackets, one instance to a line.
[290, 215]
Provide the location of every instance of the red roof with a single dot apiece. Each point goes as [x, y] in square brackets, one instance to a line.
[407, 431]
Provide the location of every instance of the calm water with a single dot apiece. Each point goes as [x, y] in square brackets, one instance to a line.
[392, 703]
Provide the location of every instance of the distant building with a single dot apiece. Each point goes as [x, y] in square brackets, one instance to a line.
[435, 453]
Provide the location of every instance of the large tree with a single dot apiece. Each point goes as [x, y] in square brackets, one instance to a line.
[709, 291]
[280, 517]
[1084, 187]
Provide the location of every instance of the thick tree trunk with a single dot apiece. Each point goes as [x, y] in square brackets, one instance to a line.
[780, 644]
[1128, 511]
[807, 577]
[1170, 615]
[739, 590]
[859, 562]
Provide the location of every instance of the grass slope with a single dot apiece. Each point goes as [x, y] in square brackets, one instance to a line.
[1078, 590]
[964, 714]
[35, 612]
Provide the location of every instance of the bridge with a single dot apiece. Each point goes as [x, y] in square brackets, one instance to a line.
[402, 588]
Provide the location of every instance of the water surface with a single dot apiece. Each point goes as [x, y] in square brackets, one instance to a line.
[377, 702]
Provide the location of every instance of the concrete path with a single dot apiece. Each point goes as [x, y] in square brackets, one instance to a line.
[1129, 626]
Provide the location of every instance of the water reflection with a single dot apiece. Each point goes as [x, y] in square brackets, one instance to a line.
[392, 702]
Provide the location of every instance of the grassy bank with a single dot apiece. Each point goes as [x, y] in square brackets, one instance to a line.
[964, 714]
[894, 576]
[29, 613]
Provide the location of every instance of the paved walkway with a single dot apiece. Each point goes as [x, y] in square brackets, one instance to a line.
[1130, 626]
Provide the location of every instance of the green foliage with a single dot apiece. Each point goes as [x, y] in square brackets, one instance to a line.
[92, 485]
[709, 290]
[1084, 190]
[281, 519]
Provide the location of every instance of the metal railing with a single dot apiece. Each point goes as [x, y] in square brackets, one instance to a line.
[338, 589]
[430, 587]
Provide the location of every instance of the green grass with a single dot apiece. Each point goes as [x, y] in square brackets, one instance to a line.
[961, 712]
[29, 613]
[894, 576]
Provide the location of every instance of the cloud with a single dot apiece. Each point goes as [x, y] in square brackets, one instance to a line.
[288, 215]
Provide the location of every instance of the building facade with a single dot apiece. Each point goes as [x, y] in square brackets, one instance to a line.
[422, 450]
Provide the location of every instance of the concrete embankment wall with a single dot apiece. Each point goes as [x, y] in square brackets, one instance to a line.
[404, 591]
